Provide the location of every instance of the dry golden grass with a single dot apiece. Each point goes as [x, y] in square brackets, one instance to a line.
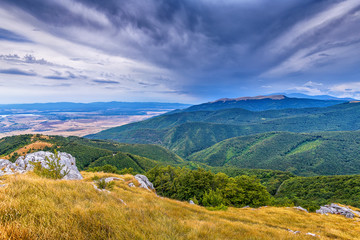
[35, 146]
[35, 208]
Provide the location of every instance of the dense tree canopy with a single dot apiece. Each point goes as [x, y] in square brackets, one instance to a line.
[207, 188]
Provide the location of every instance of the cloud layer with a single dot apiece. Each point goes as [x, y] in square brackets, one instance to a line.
[172, 50]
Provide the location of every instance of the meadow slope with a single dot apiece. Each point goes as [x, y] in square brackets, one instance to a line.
[37, 208]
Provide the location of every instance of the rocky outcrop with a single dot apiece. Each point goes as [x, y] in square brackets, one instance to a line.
[301, 209]
[7, 167]
[24, 164]
[336, 209]
[109, 179]
[144, 182]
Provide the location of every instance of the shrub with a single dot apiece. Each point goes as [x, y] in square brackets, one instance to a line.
[218, 208]
[107, 168]
[213, 199]
[102, 184]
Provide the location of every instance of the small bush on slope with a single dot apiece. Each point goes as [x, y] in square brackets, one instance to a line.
[111, 169]
[102, 184]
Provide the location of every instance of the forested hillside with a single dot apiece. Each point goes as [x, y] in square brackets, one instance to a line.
[189, 132]
[91, 153]
[324, 153]
[262, 103]
[311, 192]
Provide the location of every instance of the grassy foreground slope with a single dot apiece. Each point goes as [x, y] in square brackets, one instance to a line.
[37, 208]
[324, 153]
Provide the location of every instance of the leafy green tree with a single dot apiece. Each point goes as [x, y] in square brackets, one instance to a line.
[209, 188]
[213, 198]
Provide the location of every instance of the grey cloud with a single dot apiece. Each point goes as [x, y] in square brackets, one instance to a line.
[15, 71]
[105, 82]
[28, 58]
[56, 77]
[148, 84]
[206, 44]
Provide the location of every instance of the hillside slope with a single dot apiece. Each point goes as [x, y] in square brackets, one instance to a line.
[320, 190]
[37, 208]
[186, 133]
[90, 153]
[325, 153]
[263, 103]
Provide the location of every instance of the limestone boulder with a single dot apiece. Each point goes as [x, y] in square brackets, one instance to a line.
[144, 182]
[25, 163]
[336, 209]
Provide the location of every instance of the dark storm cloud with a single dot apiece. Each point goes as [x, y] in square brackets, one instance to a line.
[183, 34]
[208, 43]
[15, 71]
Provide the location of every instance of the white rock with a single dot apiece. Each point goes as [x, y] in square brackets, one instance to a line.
[301, 209]
[109, 179]
[294, 232]
[131, 184]
[191, 202]
[7, 167]
[66, 160]
[100, 190]
[23, 164]
[144, 182]
[336, 209]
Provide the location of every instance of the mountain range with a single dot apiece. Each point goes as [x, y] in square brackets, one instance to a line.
[186, 132]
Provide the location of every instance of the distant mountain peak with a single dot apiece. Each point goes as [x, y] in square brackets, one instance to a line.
[273, 97]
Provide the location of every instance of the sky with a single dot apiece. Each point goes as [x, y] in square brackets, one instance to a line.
[187, 51]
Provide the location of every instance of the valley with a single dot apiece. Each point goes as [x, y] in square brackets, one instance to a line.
[75, 119]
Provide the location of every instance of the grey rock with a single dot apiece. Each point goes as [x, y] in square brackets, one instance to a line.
[7, 167]
[23, 164]
[131, 184]
[301, 209]
[109, 179]
[294, 232]
[311, 234]
[100, 190]
[2, 185]
[336, 209]
[144, 182]
[122, 201]
[66, 159]
[355, 212]
[191, 202]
